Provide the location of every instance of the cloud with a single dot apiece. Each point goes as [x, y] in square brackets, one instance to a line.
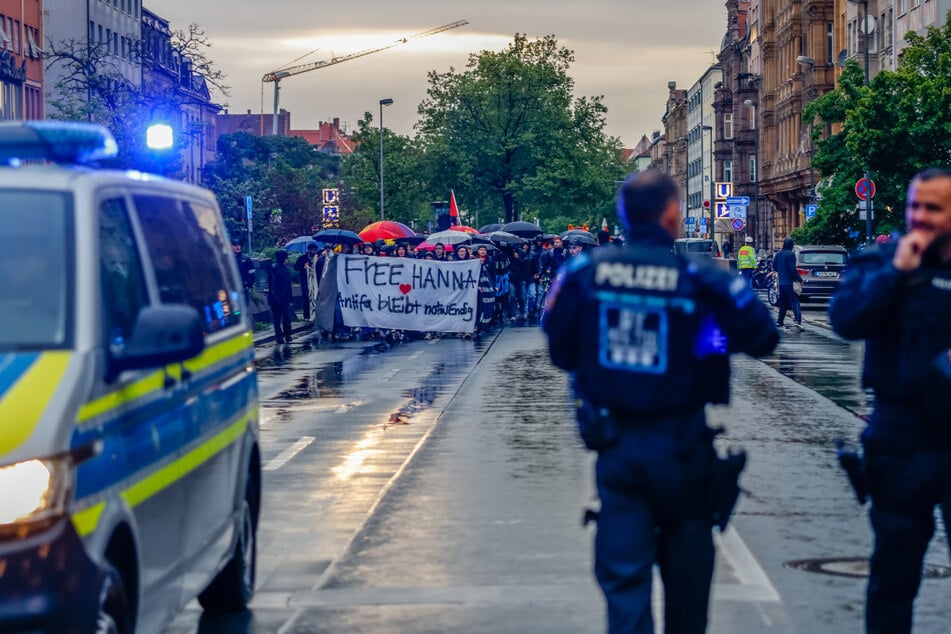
[624, 50]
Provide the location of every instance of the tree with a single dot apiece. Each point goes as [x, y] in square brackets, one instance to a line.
[507, 135]
[279, 173]
[894, 128]
[406, 196]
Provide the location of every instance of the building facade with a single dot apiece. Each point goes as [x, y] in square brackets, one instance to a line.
[797, 52]
[169, 76]
[113, 27]
[675, 140]
[701, 135]
[21, 60]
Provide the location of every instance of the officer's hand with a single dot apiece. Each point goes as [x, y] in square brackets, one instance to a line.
[910, 247]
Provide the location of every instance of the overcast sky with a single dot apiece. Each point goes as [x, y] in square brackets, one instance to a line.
[625, 50]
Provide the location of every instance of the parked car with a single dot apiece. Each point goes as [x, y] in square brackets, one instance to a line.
[694, 247]
[820, 268]
[130, 475]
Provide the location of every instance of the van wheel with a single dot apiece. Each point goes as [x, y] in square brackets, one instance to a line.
[232, 589]
[113, 615]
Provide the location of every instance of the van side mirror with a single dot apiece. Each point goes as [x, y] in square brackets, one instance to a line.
[169, 333]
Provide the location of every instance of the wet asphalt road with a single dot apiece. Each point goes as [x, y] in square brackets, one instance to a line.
[438, 487]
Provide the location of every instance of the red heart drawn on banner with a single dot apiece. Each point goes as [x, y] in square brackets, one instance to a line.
[405, 288]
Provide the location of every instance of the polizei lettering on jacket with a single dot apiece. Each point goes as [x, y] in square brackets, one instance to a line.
[644, 276]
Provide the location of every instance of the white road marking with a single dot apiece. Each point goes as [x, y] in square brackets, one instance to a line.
[748, 571]
[343, 409]
[389, 375]
[415, 355]
[285, 456]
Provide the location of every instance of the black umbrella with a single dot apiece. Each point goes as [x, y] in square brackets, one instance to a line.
[504, 238]
[490, 228]
[581, 239]
[571, 233]
[337, 236]
[522, 229]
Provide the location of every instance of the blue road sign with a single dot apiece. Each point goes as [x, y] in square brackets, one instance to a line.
[738, 200]
[811, 211]
[723, 210]
[703, 223]
[723, 190]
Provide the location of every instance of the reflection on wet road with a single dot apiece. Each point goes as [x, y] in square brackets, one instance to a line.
[825, 363]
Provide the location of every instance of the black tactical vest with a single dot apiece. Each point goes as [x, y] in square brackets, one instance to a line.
[925, 335]
[650, 344]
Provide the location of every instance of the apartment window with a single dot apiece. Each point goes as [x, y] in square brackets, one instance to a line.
[915, 4]
[115, 43]
[902, 6]
[830, 44]
[728, 125]
[753, 174]
[728, 171]
[99, 39]
[15, 32]
[5, 41]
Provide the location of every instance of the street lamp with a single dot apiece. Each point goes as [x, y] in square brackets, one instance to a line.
[869, 207]
[749, 103]
[713, 196]
[383, 102]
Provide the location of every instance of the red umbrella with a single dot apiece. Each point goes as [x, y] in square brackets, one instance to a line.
[386, 230]
[464, 229]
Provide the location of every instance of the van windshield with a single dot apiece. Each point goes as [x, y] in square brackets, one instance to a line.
[36, 270]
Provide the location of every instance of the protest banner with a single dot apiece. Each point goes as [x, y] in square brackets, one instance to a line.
[406, 294]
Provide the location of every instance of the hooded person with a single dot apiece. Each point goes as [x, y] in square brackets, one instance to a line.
[787, 276]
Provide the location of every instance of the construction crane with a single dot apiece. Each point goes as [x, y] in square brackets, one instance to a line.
[277, 75]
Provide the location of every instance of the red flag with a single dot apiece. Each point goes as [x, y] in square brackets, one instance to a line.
[453, 208]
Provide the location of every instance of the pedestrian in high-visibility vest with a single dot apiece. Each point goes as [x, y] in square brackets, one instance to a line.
[746, 260]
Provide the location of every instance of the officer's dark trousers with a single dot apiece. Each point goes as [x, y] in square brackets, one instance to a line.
[906, 483]
[654, 509]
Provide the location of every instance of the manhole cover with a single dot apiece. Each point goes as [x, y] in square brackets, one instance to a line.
[856, 567]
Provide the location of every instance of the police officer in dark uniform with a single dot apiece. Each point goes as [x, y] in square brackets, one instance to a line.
[245, 268]
[897, 297]
[647, 336]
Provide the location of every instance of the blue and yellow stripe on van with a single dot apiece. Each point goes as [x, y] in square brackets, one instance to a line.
[150, 444]
[87, 519]
[155, 381]
[27, 382]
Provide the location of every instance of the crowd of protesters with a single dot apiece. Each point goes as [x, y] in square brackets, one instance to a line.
[514, 278]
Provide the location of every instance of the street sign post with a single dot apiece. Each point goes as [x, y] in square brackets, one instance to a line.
[737, 224]
[723, 210]
[811, 211]
[248, 205]
[723, 190]
[865, 188]
[738, 211]
[738, 200]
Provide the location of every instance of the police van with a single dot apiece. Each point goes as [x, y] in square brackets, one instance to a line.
[130, 477]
